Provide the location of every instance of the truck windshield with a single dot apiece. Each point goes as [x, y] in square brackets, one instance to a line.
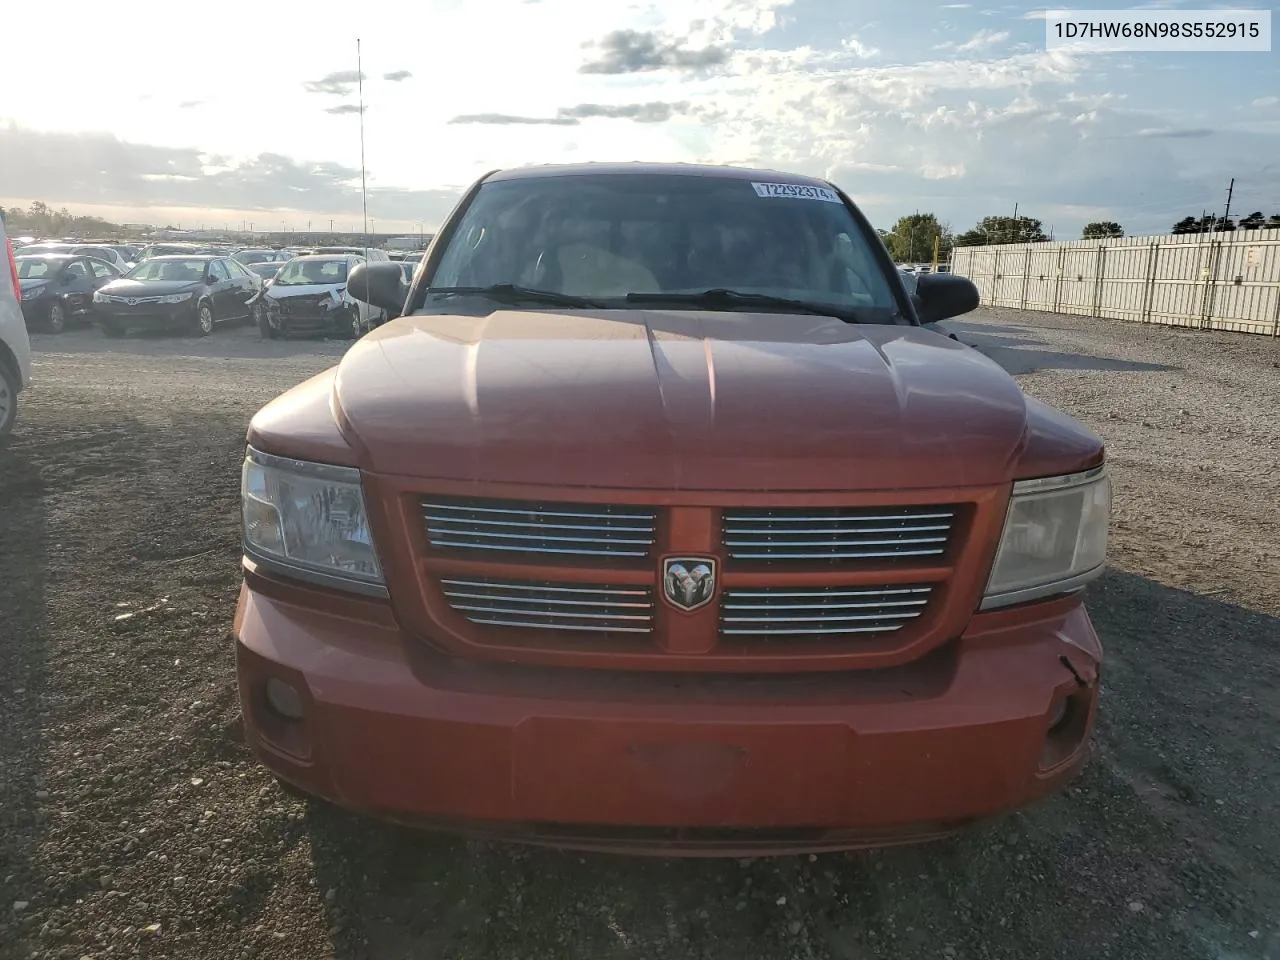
[604, 236]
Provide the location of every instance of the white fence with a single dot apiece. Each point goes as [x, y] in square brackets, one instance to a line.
[1215, 281]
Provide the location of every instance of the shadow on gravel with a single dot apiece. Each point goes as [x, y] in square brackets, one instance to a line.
[24, 672]
[1017, 351]
[1156, 851]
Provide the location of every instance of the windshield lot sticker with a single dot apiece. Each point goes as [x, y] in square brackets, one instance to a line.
[796, 191]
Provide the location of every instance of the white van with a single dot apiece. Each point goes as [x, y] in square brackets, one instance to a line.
[15, 346]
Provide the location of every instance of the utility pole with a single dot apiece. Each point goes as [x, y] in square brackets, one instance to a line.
[1226, 215]
[364, 191]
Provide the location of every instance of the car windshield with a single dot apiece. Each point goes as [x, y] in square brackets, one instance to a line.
[32, 269]
[266, 270]
[163, 250]
[169, 271]
[604, 236]
[255, 256]
[305, 270]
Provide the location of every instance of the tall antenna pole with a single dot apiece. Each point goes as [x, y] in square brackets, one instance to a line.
[1226, 214]
[364, 191]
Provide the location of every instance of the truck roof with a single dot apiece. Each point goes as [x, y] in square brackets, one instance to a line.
[661, 169]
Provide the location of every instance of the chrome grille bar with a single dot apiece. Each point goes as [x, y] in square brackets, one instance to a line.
[541, 605]
[561, 529]
[814, 534]
[821, 611]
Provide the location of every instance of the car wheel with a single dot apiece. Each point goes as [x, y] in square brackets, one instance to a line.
[56, 321]
[204, 320]
[8, 400]
[112, 328]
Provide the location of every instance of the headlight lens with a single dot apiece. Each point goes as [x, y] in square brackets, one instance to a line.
[1055, 537]
[309, 517]
[176, 298]
[99, 297]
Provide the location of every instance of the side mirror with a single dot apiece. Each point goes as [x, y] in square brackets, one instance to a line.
[378, 284]
[940, 296]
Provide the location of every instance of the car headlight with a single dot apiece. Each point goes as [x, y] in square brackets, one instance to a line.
[176, 298]
[99, 297]
[33, 291]
[309, 520]
[1054, 540]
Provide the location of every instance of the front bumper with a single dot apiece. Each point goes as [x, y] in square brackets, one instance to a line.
[661, 763]
[310, 320]
[147, 315]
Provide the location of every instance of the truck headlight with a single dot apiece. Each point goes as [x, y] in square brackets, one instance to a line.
[1055, 538]
[308, 520]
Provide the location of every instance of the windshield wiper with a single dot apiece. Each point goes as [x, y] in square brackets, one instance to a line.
[722, 298]
[513, 294]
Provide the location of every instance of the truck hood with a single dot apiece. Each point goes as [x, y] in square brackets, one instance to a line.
[677, 400]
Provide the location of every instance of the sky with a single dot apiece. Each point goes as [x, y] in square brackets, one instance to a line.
[251, 115]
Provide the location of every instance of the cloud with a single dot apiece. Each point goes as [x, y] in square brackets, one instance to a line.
[507, 119]
[654, 112]
[983, 39]
[1265, 102]
[345, 108]
[1035, 15]
[189, 104]
[98, 169]
[396, 76]
[338, 83]
[1176, 133]
[859, 49]
[956, 6]
[639, 51]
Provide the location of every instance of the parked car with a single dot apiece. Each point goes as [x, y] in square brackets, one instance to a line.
[309, 297]
[190, 293]
[178, 250]
[15, 345]
[98, 251]
[372, 254]
[265, 270]
[660, 524]
[58, 288]
[250, 256]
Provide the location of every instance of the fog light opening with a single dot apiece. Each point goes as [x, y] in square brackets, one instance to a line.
[1066, 726]
[284, 699]
[1059, 716]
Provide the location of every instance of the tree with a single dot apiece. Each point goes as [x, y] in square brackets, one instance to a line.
[1273, 221]
[1187, 225]
[1254, 221]
[911, 239]
[1223, 225]
[992, 230]
[1100, 229]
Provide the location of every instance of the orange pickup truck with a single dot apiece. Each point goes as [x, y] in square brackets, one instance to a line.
[658, 523]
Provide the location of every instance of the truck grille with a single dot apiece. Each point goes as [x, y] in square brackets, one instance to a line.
[536, 529]
[821, 611]
[552, 606]
[807, 534]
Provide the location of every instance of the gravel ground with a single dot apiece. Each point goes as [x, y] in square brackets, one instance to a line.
[134, 823]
